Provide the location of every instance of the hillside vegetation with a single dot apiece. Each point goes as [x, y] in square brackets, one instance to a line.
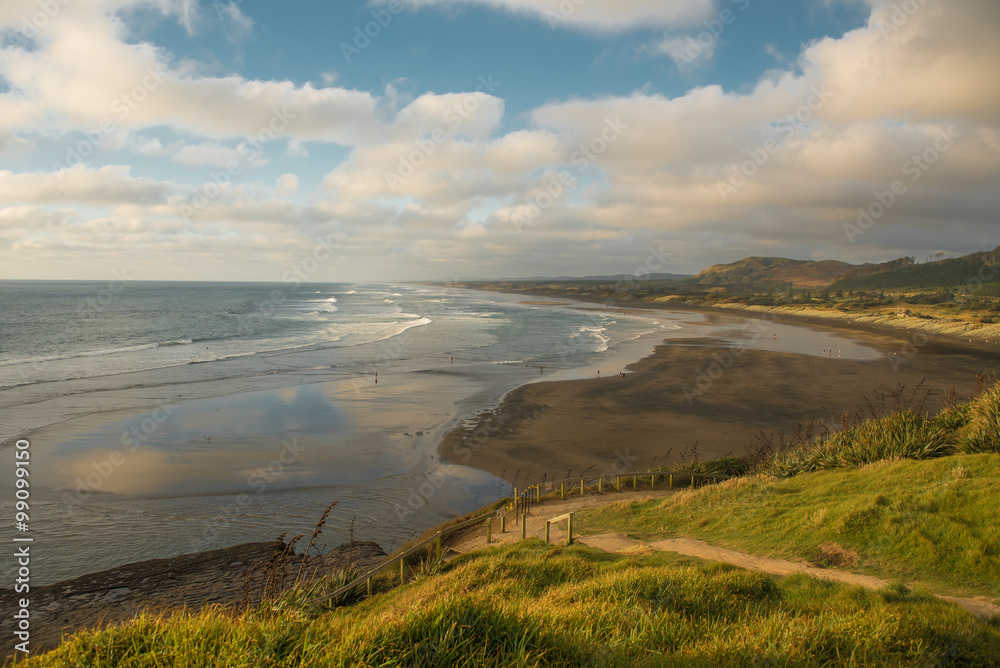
[535, 605]
[976, 272]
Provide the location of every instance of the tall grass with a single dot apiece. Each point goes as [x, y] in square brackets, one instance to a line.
[531, 605]
[884, 435]
[981, 432]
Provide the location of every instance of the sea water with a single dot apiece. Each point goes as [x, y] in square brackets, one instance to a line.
[170, 417]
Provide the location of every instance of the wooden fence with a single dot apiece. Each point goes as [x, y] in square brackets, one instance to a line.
[523, 501]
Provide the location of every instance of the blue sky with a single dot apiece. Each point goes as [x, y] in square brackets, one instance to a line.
[179, 139]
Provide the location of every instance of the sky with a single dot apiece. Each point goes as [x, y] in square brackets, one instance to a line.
[394, 140]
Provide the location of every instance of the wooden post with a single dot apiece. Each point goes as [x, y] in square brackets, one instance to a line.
[369, 587]
[524, 526]
[562, 490]
[489, 530]
[618, 483]
[652, 481]
[538, 492]
[581, 486]
[503, 524]
[635, 482]
[401, 576]
[569, 530]
[671, 483]
[546, 532]
[600, 486]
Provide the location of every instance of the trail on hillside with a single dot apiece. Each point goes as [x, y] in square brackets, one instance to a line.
[617, 543]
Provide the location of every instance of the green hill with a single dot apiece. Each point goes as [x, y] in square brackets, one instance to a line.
[977, 273]
[775, 272]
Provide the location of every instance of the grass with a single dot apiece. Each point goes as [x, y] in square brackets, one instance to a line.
[533, 605]
[906, 433]
[935, 523]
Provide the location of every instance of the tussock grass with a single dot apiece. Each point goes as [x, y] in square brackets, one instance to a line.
[981, 430]
[970, 427]
[531, 605]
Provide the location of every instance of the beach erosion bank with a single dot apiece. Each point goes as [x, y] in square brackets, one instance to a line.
[711, 398]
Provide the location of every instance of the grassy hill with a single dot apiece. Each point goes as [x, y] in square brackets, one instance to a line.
[976, 272]
[762, 272]
[532, 604]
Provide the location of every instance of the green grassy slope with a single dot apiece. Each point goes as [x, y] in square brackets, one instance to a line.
[533, 605]
[976, 272]
[933, 523]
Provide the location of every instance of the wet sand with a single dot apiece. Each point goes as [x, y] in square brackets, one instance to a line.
[704, 392]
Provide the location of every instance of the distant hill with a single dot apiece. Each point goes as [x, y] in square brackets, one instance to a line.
[611, 278]
[977, 269]
[774, 272]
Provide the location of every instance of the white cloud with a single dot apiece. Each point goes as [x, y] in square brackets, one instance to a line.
[591, 14]
[112, 184]
[867, 103]
[240, 24]
[148, 146]
[686, 51]
[287, 184]
[216, 154]
[83, 74]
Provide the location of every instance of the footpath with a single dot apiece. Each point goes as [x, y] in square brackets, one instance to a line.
[612, 542]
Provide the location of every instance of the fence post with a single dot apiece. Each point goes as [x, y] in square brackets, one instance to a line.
[562, 490]
[569, 530]
[503, 524]
[652, 481]
[635, 483]
[618, 483]
[369, 587]
[402, 563]
[581, 486]
[546, 532]
[489, 530]
[524, 526]
[600, 485]
[671, 481]
[538, 492]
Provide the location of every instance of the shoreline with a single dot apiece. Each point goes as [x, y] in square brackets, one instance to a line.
[374, 447]
[849, 322]
[671, 401]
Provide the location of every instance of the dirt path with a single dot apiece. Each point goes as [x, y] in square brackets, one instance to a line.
[613, 542]
[476, 539]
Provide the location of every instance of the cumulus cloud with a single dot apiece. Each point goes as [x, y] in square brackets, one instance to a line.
[781, 167]
[108, 185]
[288, 184]
[218, 155]
[84, 73]
[591, 15]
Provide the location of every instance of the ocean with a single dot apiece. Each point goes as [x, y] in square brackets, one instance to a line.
[167, 417]
[155, 409]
